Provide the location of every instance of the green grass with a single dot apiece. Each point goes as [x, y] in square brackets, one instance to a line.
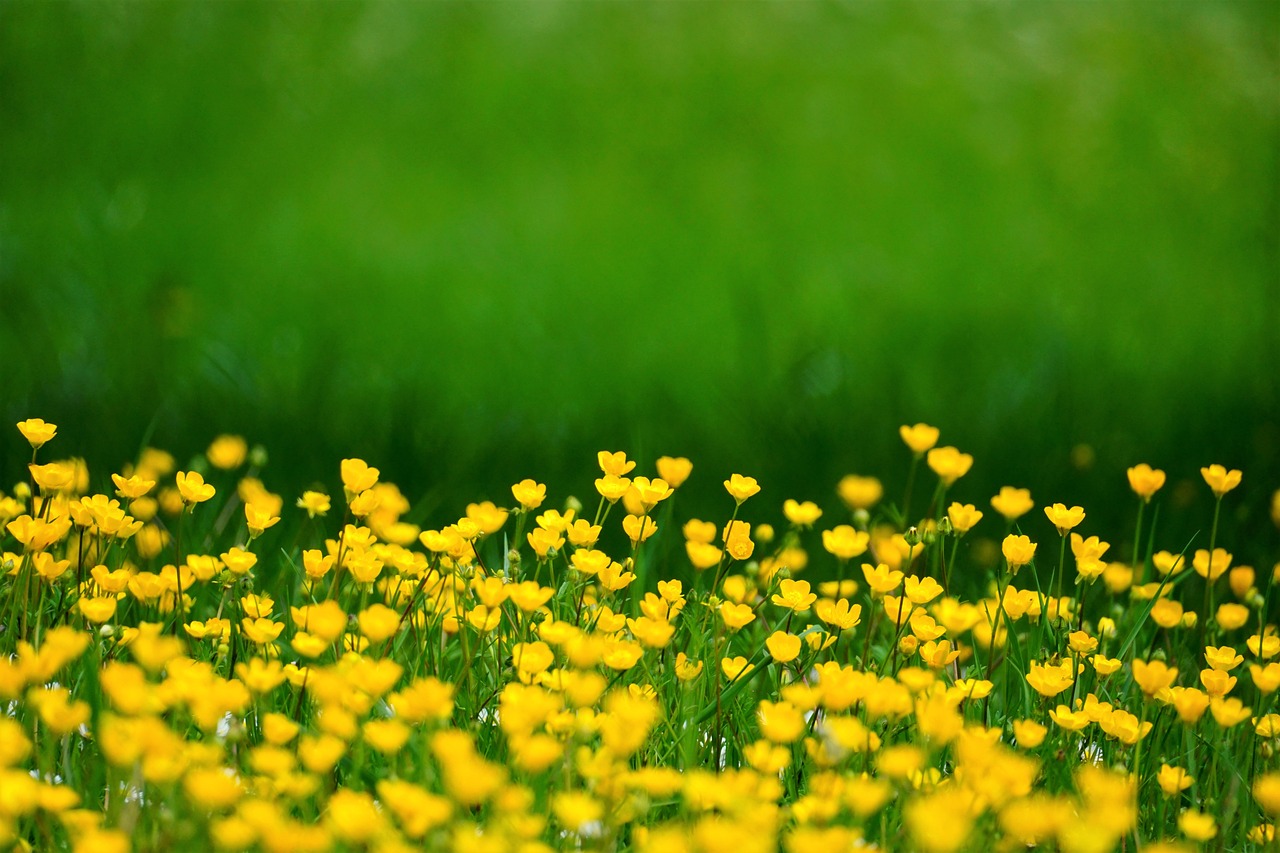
[459, 239]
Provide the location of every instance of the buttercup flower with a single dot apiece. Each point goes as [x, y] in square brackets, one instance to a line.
[920, 438]
[1220, 480]
[1145, 480]
[740, 488]
[193, 488]
[1012, 503]
[37, 432]
[949, 464]
[1064, 518]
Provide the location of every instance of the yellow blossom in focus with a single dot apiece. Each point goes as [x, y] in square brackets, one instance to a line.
[37, 432]
[193, 488]
[1064, 518]
[740, 488]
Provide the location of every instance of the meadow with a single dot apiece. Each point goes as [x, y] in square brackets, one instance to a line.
[192, 661]
[496, 426]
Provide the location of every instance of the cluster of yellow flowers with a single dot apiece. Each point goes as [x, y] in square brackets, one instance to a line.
[527, 678]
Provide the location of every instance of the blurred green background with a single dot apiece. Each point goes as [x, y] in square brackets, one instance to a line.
[478, 242]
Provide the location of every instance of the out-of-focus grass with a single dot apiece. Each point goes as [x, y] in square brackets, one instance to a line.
[478, 242]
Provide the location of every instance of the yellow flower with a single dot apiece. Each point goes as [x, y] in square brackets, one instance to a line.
[845, 543]
[543, 541]
[880, 579]
[357, 477]
[1217, 682]
[37, 432]
[1212, 569]
[54, 477]
[1106, 666]
[941, 822]
[97, 609]
[1064, 518]
[582, 533]
[651, 492]
[1072, 721]
[1265, 678]
[614, 464]
[859, 492]
[1018, 550]
[780, 722]
[1153, 676]
[227, 452]
[686, 669]
[1224, 658]
[919, 438]
[674, 469]
[193, 488]
[1173, 780]
[703, 555]
[613, 578]
[1266, 790]
[1145, 480]
[260, 676]
[654, 633]
[215, 788]
[1189, 702]
[483, 619]
[734, 668]
[259, 518]
[949, 464]
[740, 488]
[1029, 733]
[801, 514]
[783, 647]
[839, 614]
[1167, 613]
[963, 517]
[386, 736]
[794, 595]
[1012, 503]
[1197, 826]
[736, 616]
[576, 810]
[611, 487]
[529, 494]
[922, 590]
[1220, 479]
[737, 540]
[133, 487]
[378, 622]
[638, 528]
[315, 503]
[1049, 679]
[261, 631]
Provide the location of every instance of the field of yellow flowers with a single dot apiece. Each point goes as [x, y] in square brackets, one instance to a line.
[503, 682]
